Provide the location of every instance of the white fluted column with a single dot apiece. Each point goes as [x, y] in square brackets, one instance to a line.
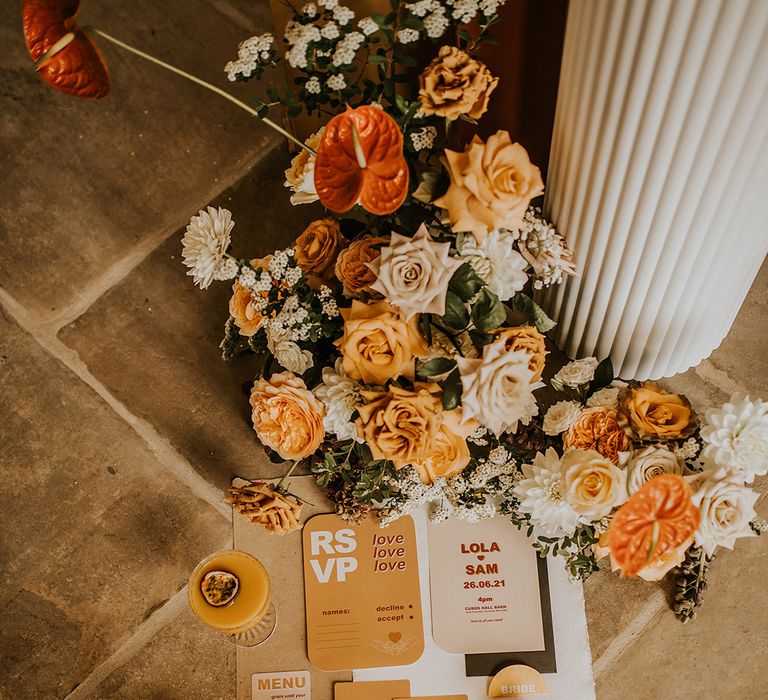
[659, 177]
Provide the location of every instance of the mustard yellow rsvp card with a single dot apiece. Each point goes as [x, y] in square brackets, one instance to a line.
[371, 690]
[484, 585]
[362, 591]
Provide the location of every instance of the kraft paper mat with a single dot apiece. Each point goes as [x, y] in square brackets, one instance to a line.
[286, 650]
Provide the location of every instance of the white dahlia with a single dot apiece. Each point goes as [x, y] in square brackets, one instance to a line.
[497, 261]
[204, 246]
[341, 396]
[736, 437]
[541, 498]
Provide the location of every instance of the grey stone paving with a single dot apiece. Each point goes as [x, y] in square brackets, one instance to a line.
[121, 426]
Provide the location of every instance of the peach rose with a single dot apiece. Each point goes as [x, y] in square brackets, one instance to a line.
[286, 415]
[398, 425]
[455, 84]
[352, 264]
[378, 343]
[247, 318]
[492, 185]
[591, 484]
[317, 248]
[447, 453]
[529, 339]
[597, 429]
[650, 413]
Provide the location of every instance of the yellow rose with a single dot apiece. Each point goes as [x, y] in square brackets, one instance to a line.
[529, 339]
[247, 318]
[455, 84]
[492, 185]
[352, 264]
[447, 452]
[398, 425]
[286, 415]
[378, 343]
[591, 484]
[650, 413]
[410, 428]
[317, 248]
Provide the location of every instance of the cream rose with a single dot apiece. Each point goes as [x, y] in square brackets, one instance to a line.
[577, 372]
[591, 484]
[650, 462]
[286, 415]
[726, 506]
[352, 268]
[378, 343]
[492, 185]
[413, 273]
[455, 84]
[561, 416]
[300, 177]
[498, 388]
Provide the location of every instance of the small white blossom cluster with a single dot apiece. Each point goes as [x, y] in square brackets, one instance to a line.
[330, 306]
[424, 138]
[466, 11]
[299, 38]
[688, 450]
[544, 249]
[407, 35]
[466, 497]
[336, 82]
[345, 51]
[367, 26]
[252, 54]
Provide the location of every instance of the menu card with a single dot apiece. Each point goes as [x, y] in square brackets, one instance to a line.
[363, 601]
[484, 585]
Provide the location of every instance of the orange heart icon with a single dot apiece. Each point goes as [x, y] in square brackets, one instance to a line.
[395, 637]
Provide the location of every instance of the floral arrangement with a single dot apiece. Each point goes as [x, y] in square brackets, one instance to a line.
[398, 353]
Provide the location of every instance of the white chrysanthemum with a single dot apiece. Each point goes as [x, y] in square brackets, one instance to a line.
[540, 497]
[561, 416]
[497, 389]
[726, 507]
[204, 246]
[340, 394]
[497, 261]
[737, 437]
[576, 373]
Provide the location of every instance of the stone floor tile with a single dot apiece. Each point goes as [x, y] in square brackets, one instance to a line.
[85, 180]
[184, 661]
[719, 655]
[94, 534]
[744, 352]
[156, 329]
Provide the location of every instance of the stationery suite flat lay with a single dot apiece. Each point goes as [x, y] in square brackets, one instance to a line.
[355, 611]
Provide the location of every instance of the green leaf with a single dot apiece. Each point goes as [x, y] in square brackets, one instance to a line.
[488, 312]
[603, 375]
[402, 105]
[451, 386]
[456, 314]
[466, 282]
[378, 60]
[464, 34]
[523, 303]
[436, 367]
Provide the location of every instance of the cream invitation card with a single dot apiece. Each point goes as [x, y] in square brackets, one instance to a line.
[484, 587]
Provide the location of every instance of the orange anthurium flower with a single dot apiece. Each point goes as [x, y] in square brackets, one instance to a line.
[651, 524]
[75, 65]
[360, 160]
